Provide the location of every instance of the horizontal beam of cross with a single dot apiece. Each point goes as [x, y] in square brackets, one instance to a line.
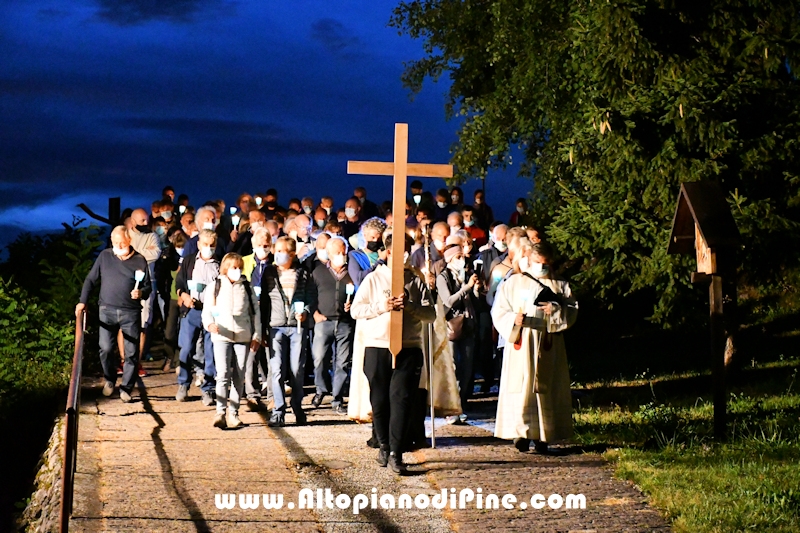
[417, 170]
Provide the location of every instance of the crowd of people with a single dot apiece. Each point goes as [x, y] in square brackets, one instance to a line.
[243, 296]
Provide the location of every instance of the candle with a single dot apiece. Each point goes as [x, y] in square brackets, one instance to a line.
[138, 276]
[350, 289]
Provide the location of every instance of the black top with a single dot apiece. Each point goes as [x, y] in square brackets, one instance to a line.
[117, 280]
[331, 293]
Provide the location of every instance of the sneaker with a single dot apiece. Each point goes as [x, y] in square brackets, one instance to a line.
[119, 370]
[300, 419]
[383, 457]
[462, 418]
[339, 409]
[522, 445]
[220, 422]
[199, 379]
[183, 392]
[317, 400]
[287, 390]
[143, 373]
[373, 442]
[276, 420]
[453, 420]
[147, 357]
[234, 421]
[108, 388]
[540, 447]
[207, 398]
[125, 396]
[396, 464]
[167, 366]
[254, 405]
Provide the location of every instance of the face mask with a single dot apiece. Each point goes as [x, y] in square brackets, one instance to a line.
[293, 235]
[274, 239]
[160, 230]
[337, 261]
[469, 223]
[457, 264]
[321, 223]
[209, 225]
[501, 246]
[342, 220]
[538, 270]
[206, 252]
[373, 246]
[362, 200]
[349, 212]
[454, 198]
[520, 210]
[260, 252]
[327, 210]
[524, 264]
[119, 252]
[441, 205]
[454, 229]
[142, 229]
[179, 251]
[234, 274]
[307, 209]
[255, 226]
[438, 244]
[272, 203]
[195, 233]
[166, 215]
[281, 258]
[478, 201]
[322, 254]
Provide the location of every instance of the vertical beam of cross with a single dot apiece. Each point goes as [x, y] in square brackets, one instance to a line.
[400, 169]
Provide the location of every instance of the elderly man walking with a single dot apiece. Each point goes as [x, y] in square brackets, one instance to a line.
[124, 281]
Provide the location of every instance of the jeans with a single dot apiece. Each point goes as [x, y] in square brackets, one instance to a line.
[287, 351]
[112, 320]
[325, 335]
[191, 330]
[391, 392]
[464, 355]
[229, 359]
[257, 369]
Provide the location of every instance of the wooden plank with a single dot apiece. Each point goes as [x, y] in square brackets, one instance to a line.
[718, 358]
[416, 170]
[398, 233]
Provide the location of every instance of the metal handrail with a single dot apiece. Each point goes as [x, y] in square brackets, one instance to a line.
[71, 426]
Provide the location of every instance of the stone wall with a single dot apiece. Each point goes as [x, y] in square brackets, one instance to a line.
[41, 513]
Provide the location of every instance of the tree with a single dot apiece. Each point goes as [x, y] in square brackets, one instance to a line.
[613, 105]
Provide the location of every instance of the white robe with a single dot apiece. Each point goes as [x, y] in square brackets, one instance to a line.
[535, 400]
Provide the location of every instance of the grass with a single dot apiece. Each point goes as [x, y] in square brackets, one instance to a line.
[751, 482]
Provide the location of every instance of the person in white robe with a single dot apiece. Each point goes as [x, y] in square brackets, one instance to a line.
[531, 310]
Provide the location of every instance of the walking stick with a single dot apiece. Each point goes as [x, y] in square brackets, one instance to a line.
[426, 233]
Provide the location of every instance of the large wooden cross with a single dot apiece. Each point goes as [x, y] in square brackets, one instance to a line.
[400, 169]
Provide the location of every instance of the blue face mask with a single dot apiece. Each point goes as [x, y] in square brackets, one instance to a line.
[281, 258]
[469, 223]
[160, 230]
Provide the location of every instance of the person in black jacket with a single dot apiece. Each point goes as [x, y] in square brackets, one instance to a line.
[333, 324]
[124, 282]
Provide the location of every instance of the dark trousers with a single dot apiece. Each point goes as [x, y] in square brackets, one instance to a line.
[463, 355]
[391, 391]
[112, 320]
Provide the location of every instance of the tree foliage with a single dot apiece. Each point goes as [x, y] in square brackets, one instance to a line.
[614, 104]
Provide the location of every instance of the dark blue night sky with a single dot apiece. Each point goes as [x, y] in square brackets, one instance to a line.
[121, 97]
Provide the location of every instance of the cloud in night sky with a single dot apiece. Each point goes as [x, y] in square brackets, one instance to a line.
[105, 98]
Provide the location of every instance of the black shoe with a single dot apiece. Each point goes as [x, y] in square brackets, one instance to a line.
[522, 445]
[317, 400]
[339, 409]
[540, 447]
[396, 464]
[383, 457]
[373, 442]
[300, 419]
[276, 420]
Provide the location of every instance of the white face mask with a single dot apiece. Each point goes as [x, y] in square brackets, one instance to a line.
[234, 274]
[441, 205]
[307, 209]
[166, 215]
[342, 220]
[206, 252]
[119, 252]
[362, 200]
[524, 264]
[454, 198]
[338, 261]
[195, 233]
[255, 226]
[322, 254]
[321, 222]
[538, 270]
[454, 229]
[438, 244]
[520, 210]
[179, 251]
[260, 252]
[327, 210]
[349, 212]
[457, 264]
[208, 225]
[501, 246]
[281, 258]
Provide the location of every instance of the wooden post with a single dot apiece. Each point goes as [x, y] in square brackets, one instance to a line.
[400, 169]
[718, 355]
[114, 211]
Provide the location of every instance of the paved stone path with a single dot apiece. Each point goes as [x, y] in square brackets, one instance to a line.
[156, 465]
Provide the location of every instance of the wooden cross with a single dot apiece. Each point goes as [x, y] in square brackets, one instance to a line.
[400, 169]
